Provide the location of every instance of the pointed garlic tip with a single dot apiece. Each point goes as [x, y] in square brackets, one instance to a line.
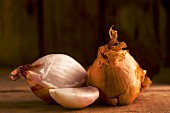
[113, 34]
[75, 98]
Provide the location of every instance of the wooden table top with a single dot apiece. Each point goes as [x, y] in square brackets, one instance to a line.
[16, 97]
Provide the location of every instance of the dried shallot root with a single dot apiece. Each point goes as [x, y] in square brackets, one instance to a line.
[116, 74]
[51, 72]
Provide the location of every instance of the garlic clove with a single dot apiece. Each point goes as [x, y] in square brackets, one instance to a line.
[75, 98]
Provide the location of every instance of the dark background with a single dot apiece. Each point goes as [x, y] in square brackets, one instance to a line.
[30, 29]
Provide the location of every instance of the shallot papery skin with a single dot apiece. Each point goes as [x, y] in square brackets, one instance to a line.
[50, 72]
[116, 74]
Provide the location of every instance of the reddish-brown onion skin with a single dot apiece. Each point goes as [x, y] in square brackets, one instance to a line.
[41, 92]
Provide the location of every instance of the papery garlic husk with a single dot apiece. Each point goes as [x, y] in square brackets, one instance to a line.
[75, 98]
[116, 74]
[51, 72]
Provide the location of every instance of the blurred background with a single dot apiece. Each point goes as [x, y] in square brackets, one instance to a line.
[30, 29]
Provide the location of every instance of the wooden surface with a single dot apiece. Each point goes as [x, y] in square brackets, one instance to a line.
[16, 97]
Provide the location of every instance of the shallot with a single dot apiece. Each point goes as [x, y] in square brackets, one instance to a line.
[116, 73]
[51, 72]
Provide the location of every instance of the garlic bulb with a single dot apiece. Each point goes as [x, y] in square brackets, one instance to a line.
[75, 98]
[116, 74]
[51, 71]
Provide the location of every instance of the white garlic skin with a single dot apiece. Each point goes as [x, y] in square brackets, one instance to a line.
[75, 98]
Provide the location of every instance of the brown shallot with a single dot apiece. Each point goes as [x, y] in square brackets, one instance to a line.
[116, 73]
